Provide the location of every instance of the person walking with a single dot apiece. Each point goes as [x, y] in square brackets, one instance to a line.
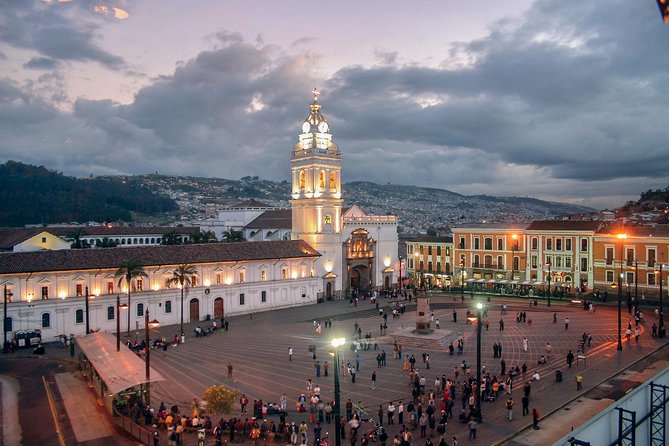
[290, 353]
[325, 368]
[579, 381]
[566, 323]
[374, 379]
[317, 366]
[525, 345]
[501, 325]
[637, 332]
[555, 318]
[229, 370]
[535, 418]
[570, 358]
[509, 409]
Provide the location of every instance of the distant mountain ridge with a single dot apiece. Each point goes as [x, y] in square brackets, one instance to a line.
[34, 195]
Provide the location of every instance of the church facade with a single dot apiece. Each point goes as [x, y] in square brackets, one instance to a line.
[359, 252]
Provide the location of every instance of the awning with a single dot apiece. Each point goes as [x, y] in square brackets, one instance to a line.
[481, 281]
[492, 281]
[470, 280]
[118, 370]
[329, 275]
[501, 281]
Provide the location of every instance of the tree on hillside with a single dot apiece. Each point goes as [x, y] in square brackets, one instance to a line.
[232, 235]
[182, 276]
[127, 271]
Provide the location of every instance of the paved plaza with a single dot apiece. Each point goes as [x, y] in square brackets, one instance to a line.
[258, 349]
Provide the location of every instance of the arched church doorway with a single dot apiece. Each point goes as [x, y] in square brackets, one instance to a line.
[194, 310]
[386, 283]
[360, 278]
[218, 307]
[328, 290]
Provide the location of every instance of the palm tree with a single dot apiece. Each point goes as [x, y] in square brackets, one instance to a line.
[75, 237]
[172, 238]
[182, 275]
[232, 235]
[209, 237]
[128, 270]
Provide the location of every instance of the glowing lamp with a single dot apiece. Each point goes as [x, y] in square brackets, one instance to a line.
[207, 282]
[386, 261]
[62, 294]
[338, 342]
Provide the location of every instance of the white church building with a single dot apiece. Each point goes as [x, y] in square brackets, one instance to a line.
[358, 251]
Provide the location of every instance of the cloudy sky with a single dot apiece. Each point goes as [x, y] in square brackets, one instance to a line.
[558, 99]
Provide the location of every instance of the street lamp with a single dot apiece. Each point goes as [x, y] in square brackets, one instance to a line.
[5, 320]
[148, 325]
[400, 278]
[549, 264]
[87, 296]
[119, 307]
[514, 248]
[660, 331]
[622, 238]
[479, 307]
[336, 343]
[462, 279]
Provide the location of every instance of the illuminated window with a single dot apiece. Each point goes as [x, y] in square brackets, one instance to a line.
[284, 273]
[218, 278]
[328, 220]
[45, 292]
[321, 180]
[333, 180]
[303, 179]
[140, 285]
[80, 290]
[263, 275]
[110, 287]
[193, 280]
[242, 276]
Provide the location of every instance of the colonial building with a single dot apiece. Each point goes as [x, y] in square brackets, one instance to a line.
[640, 254]
[430, 258]
[358, 251]
[47, 289]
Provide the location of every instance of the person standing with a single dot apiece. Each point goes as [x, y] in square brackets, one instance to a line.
[570, 358]
[555, 318]
[526, 405]
[290, 353]
[509, 409]
[579, 381]
[391, 413]
[566, 323]
[317, 366]
[325, 368]
[525, 344]
[229, 370]
[637, 332]
[535, 418]
[501, 325]
[400, 413]
[472, 429]
[502, 364]
[374, 379]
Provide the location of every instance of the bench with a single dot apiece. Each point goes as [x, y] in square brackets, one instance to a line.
[580, 357]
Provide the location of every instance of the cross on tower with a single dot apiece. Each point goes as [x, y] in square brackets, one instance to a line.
[316, 92]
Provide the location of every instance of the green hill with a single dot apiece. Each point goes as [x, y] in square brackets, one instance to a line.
[31, 194]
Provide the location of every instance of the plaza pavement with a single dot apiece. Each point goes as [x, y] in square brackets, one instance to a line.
[257, 347]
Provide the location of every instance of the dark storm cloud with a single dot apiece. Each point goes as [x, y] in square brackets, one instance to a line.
[53, 33]
[41, 63]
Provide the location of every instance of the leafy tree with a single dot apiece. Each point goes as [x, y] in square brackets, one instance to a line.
[209, 237]
[220, 399]
[171, 238]
[182, 275]
[127, 271]
[75, 236]
[232, 235]
[195, 237]
[106, 242]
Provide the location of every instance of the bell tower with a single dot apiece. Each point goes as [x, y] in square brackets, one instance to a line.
[316, 197]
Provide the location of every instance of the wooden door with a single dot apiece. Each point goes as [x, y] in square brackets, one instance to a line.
[194, 310]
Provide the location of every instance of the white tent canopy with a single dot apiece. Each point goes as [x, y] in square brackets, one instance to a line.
[118, 370]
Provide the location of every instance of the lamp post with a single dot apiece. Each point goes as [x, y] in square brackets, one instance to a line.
[479, 307]
[400, 278]
[660, 331]
[621, 237]
[514, 248]
[336, 343]
[462, 279]
[119, 307]
[88, 296]
[147, 325]
[420, 277]
[548, 262]
[5, 321]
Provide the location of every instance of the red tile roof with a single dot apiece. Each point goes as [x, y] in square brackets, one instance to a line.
[105, 258]
[564, 225]
[280, 219]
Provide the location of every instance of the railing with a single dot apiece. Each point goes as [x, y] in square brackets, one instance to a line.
[131, 427]
[371, 219]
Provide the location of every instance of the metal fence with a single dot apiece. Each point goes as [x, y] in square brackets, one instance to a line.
[134, 429]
